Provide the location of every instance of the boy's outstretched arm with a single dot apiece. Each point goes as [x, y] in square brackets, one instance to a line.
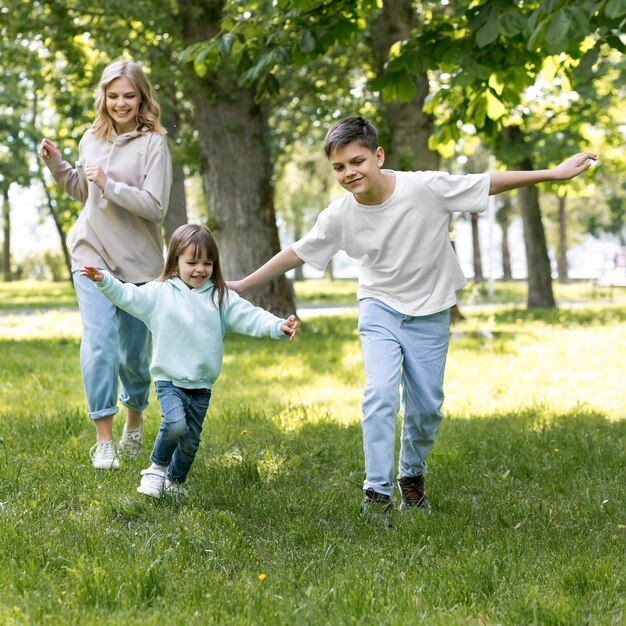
[505, 181]
[282, 262]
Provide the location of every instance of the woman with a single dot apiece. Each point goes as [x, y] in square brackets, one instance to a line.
[123, 178]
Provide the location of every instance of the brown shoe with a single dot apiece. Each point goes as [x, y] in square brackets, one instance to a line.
[412, 492]
[376, 506]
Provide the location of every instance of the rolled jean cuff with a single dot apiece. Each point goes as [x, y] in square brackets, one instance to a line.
[98, 415]
[131, 407]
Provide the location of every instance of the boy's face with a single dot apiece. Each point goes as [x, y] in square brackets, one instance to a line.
[357, 169]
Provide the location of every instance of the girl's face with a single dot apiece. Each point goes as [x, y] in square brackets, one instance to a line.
[122, 102]
[194, 271]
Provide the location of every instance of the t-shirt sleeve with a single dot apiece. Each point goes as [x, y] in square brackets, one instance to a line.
[461, 192]
[318, 246]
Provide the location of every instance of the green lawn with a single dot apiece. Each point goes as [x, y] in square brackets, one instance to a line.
[33, 294]
[527, 483]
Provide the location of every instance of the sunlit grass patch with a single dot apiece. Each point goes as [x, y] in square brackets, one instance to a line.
[36, 294]
[526, 481]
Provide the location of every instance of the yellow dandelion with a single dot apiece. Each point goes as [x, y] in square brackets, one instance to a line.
[261, 577]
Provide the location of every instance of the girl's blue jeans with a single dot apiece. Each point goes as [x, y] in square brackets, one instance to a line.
[115, 347]
[183, 412]
[400, 350]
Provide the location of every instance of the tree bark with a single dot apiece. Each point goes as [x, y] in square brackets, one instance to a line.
[503, 217]
[177, 210]
[477, 258]
[537, 260]
[6, 228]
[562, 265]
[236, 166]
[538, 263]
[407, 128]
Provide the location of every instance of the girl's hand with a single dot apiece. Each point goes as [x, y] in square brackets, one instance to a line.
[573, 166]
[47, 149]
[92, 273]
[96, 174]
[288, 327]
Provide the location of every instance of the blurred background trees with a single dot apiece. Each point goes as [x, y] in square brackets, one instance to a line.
[248, 90]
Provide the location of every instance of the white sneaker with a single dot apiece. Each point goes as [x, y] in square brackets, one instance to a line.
[174, 488]
[130, 444]
[103, 455]
[151, 483]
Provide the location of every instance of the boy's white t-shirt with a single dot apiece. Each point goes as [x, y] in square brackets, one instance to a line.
[407, 260]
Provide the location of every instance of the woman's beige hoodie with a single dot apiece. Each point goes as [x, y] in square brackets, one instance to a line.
[119, 229]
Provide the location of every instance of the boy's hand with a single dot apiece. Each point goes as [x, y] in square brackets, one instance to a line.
[235, 285]
[573, 166]
[288, 327]
[93, 274]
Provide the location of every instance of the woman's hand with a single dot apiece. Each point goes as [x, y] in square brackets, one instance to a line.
[96, 174]
[47, 149]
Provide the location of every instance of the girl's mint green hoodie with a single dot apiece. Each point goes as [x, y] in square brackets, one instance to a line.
[187, 327]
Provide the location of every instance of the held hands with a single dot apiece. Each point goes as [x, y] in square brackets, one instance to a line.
[92, 273]
[236, 286]
[288, 327]
[96, 174]
[47, 149]
[573, 166]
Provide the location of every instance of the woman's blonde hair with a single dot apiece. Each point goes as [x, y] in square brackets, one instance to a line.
[203, 242]
[149, 112]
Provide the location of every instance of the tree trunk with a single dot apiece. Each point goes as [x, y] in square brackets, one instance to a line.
[503, 217]
[562, 266]
[477, 259]
[6, 227]
[57, 222]
[538, 263]
[236, 166]
[177, 210]
[407, 128]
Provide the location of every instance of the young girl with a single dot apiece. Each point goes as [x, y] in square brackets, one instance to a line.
[188, 309]
[123, 177]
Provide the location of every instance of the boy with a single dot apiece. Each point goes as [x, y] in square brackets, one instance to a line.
[396, 224]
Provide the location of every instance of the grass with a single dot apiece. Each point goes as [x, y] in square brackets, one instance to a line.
[526, 480]
[33, 294]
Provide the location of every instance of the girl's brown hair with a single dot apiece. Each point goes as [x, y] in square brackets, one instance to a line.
[203, 242]
[149, 112]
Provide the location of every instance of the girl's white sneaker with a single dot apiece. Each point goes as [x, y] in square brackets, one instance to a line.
[151, 483]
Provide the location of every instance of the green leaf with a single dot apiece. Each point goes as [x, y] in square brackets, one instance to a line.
[556, 33]
[615, 8]
[488, 33]
[307, 42]
[512, 23]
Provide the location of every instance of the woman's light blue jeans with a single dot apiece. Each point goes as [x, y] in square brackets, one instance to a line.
[183, 412]
[115, 347]
[411, 352]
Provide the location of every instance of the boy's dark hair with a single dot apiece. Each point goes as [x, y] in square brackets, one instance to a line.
[351, 129]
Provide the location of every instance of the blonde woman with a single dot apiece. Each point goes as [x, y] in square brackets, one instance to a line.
[123, 178]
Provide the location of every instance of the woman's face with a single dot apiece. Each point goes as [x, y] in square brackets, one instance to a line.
[122, 104]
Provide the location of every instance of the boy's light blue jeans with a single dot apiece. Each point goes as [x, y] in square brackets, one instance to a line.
[408, 351]
[115, 347]
[183, 412]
